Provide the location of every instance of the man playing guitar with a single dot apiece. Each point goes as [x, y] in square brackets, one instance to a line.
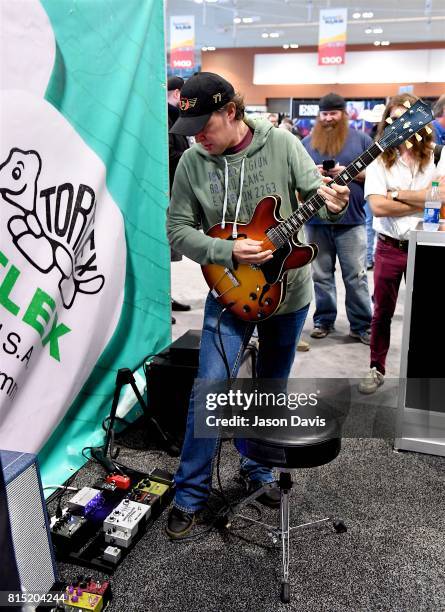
[235, 163]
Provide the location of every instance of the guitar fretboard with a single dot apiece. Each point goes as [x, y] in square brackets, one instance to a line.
[281, 233]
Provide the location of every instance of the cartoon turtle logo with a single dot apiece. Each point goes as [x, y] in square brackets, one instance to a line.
[45, 242]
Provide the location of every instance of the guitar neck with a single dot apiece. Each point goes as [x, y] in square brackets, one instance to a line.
[310, 208]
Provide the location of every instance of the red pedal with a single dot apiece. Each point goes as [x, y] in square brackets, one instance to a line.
[97, 587]
[121, 481]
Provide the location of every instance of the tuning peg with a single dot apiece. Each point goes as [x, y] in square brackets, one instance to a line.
[407, 104]
[389, 120]
[428, 130]
[418, 137]
[408, 144]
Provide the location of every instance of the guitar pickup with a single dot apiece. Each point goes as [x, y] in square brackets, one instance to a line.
[231, 277]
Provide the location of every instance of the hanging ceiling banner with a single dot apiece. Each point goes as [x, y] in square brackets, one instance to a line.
[182, 42]
[332, 36]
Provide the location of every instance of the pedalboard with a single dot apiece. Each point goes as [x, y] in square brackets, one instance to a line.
[101, 524]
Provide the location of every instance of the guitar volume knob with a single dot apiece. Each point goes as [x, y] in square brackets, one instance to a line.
[268, 301]
[246, 308]
[253, 296]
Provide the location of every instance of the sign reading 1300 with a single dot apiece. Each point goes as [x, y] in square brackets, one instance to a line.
[332, 59]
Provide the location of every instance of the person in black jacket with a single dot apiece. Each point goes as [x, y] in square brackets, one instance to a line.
[177, 144]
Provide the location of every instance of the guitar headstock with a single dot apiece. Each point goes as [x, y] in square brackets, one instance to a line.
[415, 117]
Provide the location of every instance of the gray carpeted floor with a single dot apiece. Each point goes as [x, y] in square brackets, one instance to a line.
[391, 559]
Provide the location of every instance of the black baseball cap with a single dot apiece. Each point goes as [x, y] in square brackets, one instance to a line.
[201, 95]
[332, 101]
[175, 82]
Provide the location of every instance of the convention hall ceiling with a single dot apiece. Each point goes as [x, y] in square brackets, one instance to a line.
[222, 23]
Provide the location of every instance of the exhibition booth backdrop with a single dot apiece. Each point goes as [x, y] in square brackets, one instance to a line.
[84, 260]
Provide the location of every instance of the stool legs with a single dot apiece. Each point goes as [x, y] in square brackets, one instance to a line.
[282, 532]
[285, 484]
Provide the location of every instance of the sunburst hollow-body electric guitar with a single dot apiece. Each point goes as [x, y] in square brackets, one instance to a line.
[255, 292]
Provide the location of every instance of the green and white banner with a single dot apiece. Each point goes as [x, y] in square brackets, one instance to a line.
[84, 260]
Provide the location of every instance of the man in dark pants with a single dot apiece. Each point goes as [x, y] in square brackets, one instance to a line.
[177, 144]
[396, 186]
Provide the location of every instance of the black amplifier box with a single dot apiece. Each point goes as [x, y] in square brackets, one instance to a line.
[170, 377]
[185, 350]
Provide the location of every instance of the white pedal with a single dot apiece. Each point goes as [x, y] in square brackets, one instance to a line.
[118, 537]
[113, 554]
[127, 516]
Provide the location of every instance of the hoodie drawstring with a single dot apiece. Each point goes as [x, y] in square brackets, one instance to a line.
[238, 203]
[226, 180]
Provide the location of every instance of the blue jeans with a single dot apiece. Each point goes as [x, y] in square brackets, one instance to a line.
[370, 235]
[278, 338]
[348, 243]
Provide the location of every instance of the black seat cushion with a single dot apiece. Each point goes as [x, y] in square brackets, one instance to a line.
[315, 440]
[291, 456]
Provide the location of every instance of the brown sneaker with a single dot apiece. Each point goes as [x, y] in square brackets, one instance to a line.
[303, 346]
[320, 332]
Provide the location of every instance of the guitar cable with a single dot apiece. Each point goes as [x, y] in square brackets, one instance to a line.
[222, 350]
[219, 514]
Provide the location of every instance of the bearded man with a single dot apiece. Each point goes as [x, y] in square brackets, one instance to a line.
[333, 145]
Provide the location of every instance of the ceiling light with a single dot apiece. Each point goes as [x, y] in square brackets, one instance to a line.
[377, 43]
[385, 43]
[211, 1]
[294, 46]
[203, 48]
[199, 1]
[368, 31]
[285, 46]
[265, 35]
[369, 15]
[357, 15]
[237, 20]
[211, 48]
[247, 19]
[274, 35]
[377, 30]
